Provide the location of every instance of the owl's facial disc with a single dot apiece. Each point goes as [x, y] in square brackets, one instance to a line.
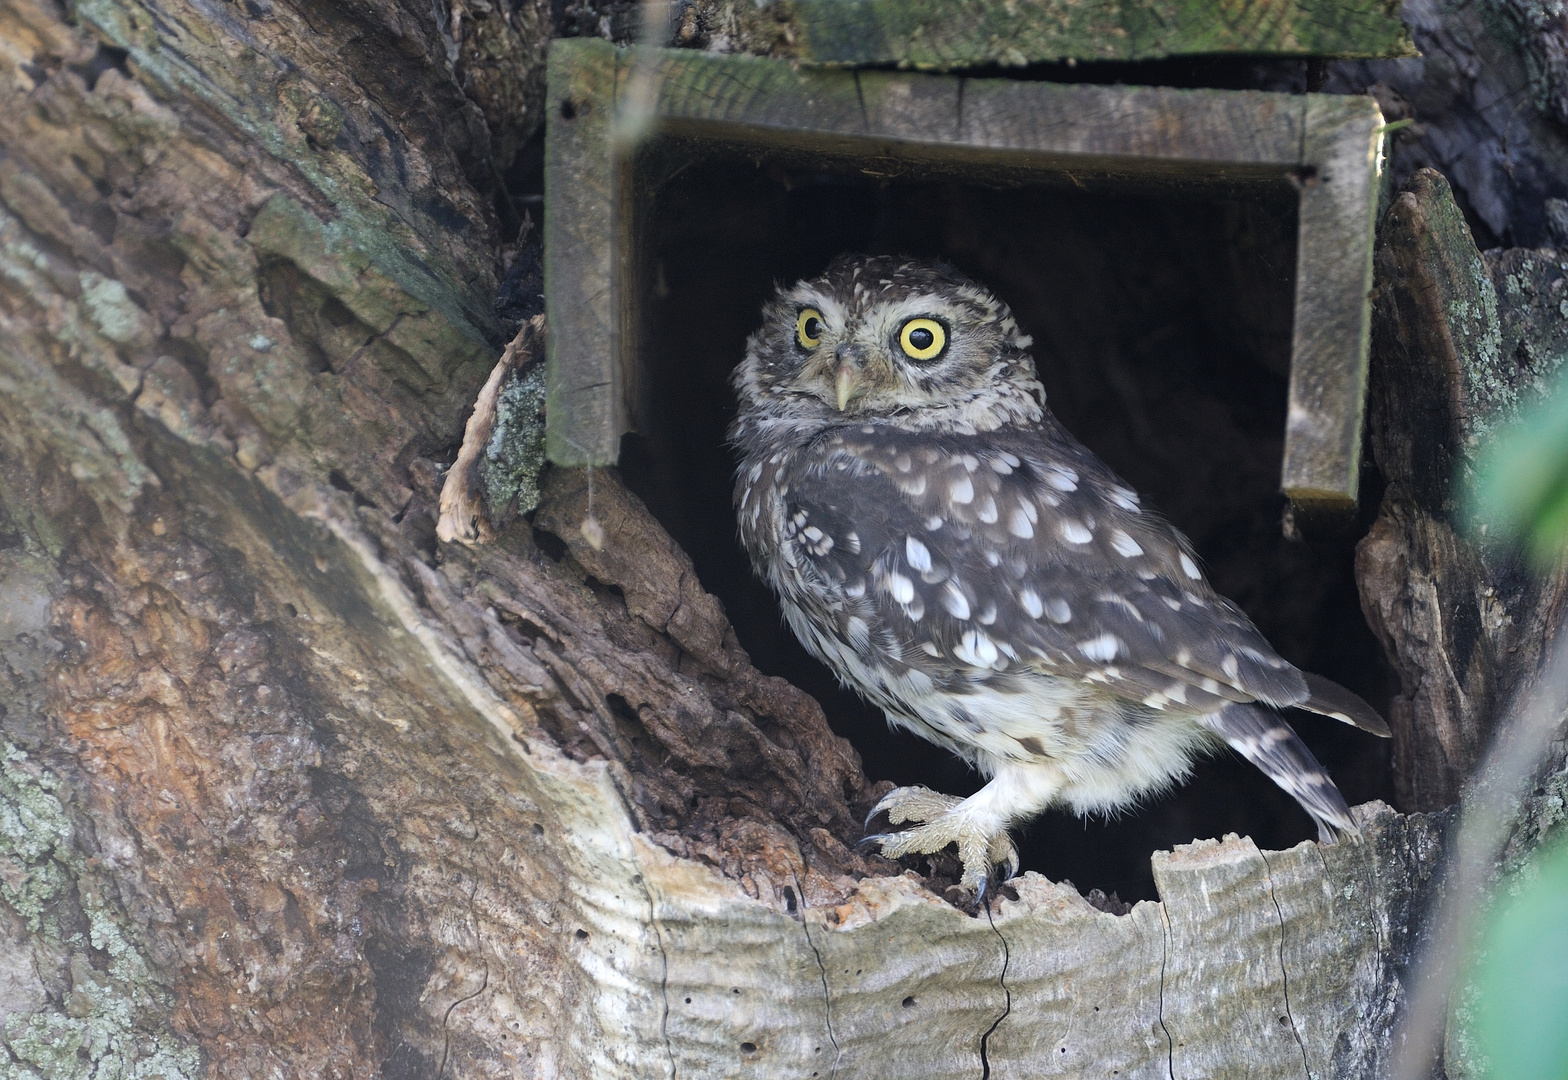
[885, 354]
[879, 337]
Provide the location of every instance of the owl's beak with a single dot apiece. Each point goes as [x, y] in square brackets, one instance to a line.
[848, 378]
[844, 384]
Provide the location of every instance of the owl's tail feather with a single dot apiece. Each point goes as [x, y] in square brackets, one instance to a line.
[1330, 699]
[1270, 744]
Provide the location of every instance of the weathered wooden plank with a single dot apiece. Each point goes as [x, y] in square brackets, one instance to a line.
[1138, 128]
[586, 398]
[914, 110]
[1340, 175]
[755, 100]
[947, 34]
[984, 128]
[752, 98]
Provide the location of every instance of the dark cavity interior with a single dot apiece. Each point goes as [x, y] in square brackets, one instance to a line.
[1161, 315]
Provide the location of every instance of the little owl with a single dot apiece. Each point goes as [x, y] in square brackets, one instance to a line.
[955, 556]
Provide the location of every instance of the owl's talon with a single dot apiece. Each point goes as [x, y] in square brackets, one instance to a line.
[913, 804]
[943, 822]
[882, 804]
[865, 844]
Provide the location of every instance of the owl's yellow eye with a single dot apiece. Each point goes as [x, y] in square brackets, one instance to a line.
[923, 339]
[808, 328]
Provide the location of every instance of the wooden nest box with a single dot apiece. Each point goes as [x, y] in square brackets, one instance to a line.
[623, 122]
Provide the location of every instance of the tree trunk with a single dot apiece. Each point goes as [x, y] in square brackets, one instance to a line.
[1462, 341]
[291, 787]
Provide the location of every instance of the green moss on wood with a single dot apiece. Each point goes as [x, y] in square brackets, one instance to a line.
[1470, 304]
[81, 329]
[337, 256]
[1532, 293]
[1507, 314]
[946, 34]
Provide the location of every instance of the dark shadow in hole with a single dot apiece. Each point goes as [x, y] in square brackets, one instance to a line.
[343, 484]
[1162, 326]
[550, 545]
[106, 58]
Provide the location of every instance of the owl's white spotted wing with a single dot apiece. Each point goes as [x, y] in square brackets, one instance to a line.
[993, 554]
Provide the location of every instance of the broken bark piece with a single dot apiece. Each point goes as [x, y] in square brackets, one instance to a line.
[496, 474]
[1286, 961]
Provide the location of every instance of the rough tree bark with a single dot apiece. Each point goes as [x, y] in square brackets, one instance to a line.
[291, 788]
[1462, 341]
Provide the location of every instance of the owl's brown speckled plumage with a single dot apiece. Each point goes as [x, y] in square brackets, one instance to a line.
[959, 559]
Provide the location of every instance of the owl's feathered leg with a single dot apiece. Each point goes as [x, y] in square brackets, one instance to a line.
[977, 825]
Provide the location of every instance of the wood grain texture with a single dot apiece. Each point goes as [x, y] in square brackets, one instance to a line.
[982, 131]
[945, 34]
[1276, 964]
[586, 397]
[1340, 179]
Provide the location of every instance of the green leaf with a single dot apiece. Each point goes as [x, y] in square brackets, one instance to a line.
[1519, 487]
[1521, 1019]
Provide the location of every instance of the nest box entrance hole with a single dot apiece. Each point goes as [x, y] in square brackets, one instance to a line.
[1162, 321]
[1194, 266]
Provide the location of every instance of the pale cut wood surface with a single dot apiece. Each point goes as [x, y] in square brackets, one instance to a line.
[1263, 964]
[984, 130]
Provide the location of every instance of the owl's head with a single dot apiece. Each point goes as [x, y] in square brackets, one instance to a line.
[878, 337]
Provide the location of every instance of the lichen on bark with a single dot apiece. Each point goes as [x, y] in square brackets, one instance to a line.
[514, 455]
[78, 996]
